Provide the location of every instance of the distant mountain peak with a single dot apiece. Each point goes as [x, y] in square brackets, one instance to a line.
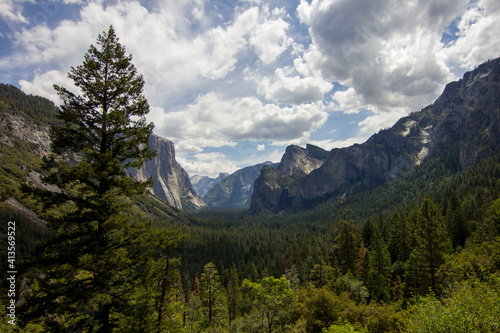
[466, 117]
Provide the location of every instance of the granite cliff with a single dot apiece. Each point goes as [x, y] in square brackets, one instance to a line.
[270, 187]
[464, 120]
[171, 181]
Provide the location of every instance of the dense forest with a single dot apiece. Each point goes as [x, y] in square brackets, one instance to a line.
[420, 253]
[329, 269]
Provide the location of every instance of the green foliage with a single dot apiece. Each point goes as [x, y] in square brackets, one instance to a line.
[342, 328]
[212, 297]
[271, 298]
[36, 108]
[233, 294]
[346, 241]
[432, 244]
[380, 269]
[471, 306]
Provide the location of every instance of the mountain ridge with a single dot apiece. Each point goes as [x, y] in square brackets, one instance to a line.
[235, 191]
[466, 116]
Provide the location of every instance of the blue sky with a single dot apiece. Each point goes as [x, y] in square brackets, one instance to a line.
[232, 83]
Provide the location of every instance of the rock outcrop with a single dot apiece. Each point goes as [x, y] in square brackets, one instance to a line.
[171, 181]
[271, 187]
[464, 119]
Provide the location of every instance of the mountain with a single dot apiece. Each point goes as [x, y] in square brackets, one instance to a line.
[24, 139]
[464, 120]
[235, 191]
[171, 181]
[203, 184]
[296, 163]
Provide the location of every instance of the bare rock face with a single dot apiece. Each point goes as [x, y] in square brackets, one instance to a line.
[271, 187]
[465, 118]
[300, 160]
[14, 125]
[171, 181]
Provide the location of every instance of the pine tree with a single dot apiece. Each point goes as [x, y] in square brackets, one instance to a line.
[346, 242]
[400, 242]
[432, 243]
[211, 295]
[233, 294]
[455, 219]
[380, 268]
[93, 263]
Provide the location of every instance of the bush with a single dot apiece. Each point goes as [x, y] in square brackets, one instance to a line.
[472, 306]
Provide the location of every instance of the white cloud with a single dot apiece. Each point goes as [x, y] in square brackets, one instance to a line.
[212, 121]
[43, 85]
[330, 144]
[11, 11]
[347, 101]
[388, 52]
[380, 120]
[477, 36]
[269, 37]
[208, 164]
[178, 46]
[283, 88]
[261, 147]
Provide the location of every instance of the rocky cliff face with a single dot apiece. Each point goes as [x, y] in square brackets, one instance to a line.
[271, 187]
[466, 117]
[235, 191]
[16, 126]
[171, 181]
[203, 184]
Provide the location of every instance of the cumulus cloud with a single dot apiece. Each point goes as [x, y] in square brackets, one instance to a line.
[207, 164]
[330, 144]
[477, 38]
[43, 85]
[285, 88]
[269, 38]
[213, 121]
[178, 46]
[389, 52]
[219, 73]
[11, 11]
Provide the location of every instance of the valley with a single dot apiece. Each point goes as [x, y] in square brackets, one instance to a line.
[322, 241]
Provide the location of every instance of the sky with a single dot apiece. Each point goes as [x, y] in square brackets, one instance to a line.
[233, 83]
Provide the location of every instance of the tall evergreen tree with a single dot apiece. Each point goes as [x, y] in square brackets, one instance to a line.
[380, 268]
[346, 241]
[456, 220]
[212, 298]
[91, 266]
[432, 243]
[233, 294]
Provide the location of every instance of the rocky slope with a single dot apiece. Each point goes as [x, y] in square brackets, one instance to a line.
[269, 189]
[171, 181]
[465, 119]
[203, 184]
[235, 191]
[24, 138]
